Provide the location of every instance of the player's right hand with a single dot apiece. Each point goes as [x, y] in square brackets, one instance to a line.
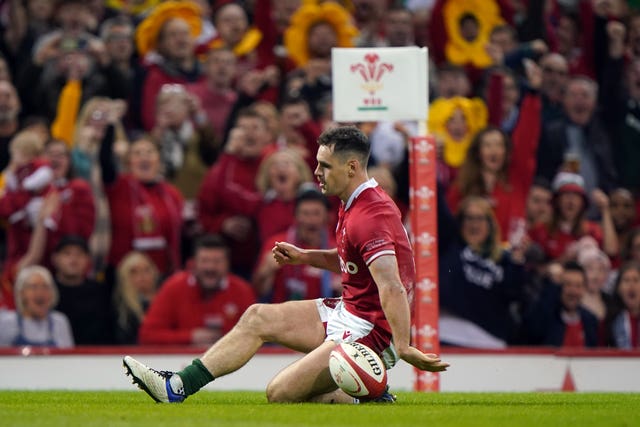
[286, 253]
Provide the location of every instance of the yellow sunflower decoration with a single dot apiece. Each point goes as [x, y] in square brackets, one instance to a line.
[149, 29]
[309, 14]
[458, 49]
[475, 116]
[249, 42]
[131, 7]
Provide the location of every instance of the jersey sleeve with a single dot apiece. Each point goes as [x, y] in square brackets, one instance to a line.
[375, 233]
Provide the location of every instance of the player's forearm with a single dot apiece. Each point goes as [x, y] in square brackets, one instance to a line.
[326, 259]
[393, 299]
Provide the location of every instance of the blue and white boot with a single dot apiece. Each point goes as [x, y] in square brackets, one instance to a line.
[156, 384]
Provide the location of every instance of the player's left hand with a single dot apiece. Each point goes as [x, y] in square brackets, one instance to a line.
[423, 361]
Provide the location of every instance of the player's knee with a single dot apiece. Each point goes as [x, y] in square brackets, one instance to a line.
[278, 393]
[254, 317]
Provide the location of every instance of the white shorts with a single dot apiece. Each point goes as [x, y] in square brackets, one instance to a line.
[342, 326]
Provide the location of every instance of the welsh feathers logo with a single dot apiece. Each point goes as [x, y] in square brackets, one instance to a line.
[371, 70]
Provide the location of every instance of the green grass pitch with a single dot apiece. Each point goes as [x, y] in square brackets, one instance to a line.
[210, 409]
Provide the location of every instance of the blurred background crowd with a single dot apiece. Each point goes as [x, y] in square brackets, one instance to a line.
[153, 151]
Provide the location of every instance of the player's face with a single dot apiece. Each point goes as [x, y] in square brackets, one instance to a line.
[332, 172]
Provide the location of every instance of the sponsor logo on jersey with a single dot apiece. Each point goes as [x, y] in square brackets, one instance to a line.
[348, 267]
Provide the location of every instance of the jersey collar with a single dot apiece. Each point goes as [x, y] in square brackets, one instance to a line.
[371, 183]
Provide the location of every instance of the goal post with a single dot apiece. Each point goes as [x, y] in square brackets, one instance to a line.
[390, 84]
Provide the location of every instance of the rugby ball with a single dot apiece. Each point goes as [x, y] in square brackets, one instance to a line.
[358, 370]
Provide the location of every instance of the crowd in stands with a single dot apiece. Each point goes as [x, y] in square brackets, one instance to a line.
[153, 151]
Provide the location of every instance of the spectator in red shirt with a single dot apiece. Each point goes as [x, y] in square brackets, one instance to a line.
[145, 210]
[166, 40]
[538, 205]
[216, 92]
[278, 283]
[235, 33]
[198, 306]
[279, 178]
[235, 173]
[22, 200]
[499, 171]
[28, 179]
[569, 223]
[77, 213]
[298, 130]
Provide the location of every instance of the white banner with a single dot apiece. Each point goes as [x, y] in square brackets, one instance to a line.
[373, 84]
[495, 372]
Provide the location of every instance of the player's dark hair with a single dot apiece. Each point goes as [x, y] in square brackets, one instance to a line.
[347, 139]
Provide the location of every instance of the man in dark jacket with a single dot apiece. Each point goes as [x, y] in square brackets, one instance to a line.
[578, 142]
[557, 318]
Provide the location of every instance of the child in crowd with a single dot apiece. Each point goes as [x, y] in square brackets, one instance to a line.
[29, 175]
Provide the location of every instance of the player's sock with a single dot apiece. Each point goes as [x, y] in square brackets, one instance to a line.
[193, 378]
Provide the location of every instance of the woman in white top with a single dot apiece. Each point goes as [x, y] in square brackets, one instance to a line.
[34, 322]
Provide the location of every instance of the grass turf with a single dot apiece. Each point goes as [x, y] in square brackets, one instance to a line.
[87, 409]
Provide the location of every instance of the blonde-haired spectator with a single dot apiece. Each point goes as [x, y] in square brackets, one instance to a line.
[35, 322]
[136, 285]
